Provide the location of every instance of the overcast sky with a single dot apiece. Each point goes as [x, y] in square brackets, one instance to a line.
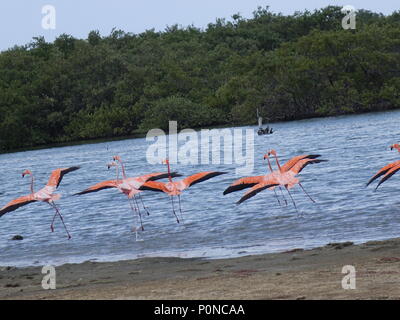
[20, 20]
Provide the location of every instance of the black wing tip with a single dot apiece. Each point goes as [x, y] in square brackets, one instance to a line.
[218, 173]
[238, 187]
[175, 175]
[74, 168]
[164, 176]
[313, 156]
[227, 191]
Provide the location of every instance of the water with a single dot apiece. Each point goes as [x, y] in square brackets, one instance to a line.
[100, 223]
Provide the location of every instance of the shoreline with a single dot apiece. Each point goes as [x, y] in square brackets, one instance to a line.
[294, 274]
[140, 134]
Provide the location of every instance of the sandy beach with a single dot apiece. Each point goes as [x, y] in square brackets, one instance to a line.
[295, 274]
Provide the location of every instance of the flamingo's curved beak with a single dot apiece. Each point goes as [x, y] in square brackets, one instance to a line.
[111, 164]
[25, 173]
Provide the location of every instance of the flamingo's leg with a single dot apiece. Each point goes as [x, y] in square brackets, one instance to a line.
[280, 188]
[134, 208]
[61, 217]
[52, 222]
[140, 214]
[180, 207]
[277, 198]
[294, 203]
[306, 192]
[173, 209]
[144, 207]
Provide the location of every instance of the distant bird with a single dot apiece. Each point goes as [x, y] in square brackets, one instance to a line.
[45, 194]
[388, 170]
[127, 186]
[175, 188]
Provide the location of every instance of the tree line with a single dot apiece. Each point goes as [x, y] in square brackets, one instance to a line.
[288, 66]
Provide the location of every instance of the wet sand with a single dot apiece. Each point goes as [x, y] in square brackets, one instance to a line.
[296, 274]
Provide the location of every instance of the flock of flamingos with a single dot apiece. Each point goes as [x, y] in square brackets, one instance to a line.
[283, 178]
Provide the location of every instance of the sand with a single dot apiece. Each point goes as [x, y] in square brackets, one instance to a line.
[296, 274]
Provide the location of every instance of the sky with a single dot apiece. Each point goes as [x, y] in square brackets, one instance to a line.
[20, 20]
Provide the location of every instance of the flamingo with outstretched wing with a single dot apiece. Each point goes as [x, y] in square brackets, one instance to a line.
[175, 188]
[45, 194]
[388, 170]
[287, 179]
[127, 186]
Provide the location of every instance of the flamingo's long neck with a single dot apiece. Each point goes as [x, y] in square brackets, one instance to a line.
[269, 164]
[123, 169]
[169, 172]
[117, 171]
[32, 179]
[277, 162]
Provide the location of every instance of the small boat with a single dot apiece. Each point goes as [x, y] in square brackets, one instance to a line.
[262, 131]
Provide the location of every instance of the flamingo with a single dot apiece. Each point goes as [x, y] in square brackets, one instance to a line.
[287, 179]
[175, 188]
[248, 182]
[288, 174]
[127, 186]
[388, 170]
[45, 194]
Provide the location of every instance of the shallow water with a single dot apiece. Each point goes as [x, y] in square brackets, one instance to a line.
[100, 223]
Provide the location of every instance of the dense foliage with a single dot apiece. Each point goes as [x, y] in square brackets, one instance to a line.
[290, 67]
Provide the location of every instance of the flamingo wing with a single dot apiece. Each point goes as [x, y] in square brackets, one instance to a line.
[300, 165]
[57, 175]
[198, 177]
[388, 174]
[100, 186]
[243, 183]
[290, 163]
[258, 188]
[383, 171]
[16, 203]
[158, 176]
[154, 186]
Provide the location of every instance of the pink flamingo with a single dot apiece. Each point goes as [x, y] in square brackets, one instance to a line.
[175, 188]
[388, 170]
[128, 186]
[283, 178]
[248, 182]
[45, 194]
